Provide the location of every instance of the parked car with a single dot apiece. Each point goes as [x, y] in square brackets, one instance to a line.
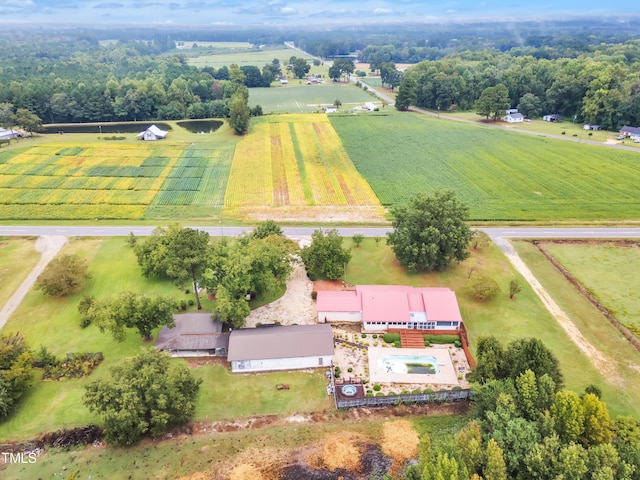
[620, 137]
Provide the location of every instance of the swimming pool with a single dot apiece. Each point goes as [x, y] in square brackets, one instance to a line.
[413, 364]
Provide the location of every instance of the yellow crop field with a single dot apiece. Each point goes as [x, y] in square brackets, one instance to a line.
[295, 165]
[90, 180]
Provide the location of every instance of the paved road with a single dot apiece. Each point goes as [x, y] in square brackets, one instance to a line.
[504, 232]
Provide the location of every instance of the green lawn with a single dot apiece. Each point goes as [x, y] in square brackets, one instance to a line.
[525, 316]
[54, 323]
[298, 97]
[621, 400]
[609, 271]
[17, 259]
[502, 175]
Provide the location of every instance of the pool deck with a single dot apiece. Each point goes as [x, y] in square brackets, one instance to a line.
[446, 376]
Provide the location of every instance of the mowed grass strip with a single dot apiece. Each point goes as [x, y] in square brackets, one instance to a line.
[502, 175]
[522, 317]
[609, 272]
[17, 259]
[622, 399]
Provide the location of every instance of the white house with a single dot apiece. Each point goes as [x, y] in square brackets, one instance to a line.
[591, 126]
[195, 335]
[280, 348]
[384, 307]
[8, 134]
[332, 109]
[512, 116]
[152, 133]
[370, 106]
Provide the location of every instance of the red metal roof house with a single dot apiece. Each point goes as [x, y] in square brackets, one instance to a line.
[384, 307]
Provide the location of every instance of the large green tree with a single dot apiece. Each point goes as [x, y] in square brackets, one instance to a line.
[239, 112]
[64, 275]
[406, 93]
[430, 232]
[178, 253]
[325, 257]
[493, 102]
[146, 394]
[130, 310]
[341, 67]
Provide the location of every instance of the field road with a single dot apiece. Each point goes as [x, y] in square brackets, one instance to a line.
[217, 231]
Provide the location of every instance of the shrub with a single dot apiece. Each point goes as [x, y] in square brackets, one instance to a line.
[349, 369]
[374, 335]
[427, 343]
[191, 302]
[391, 337]
[363, 335]
[405, 392]
[564, 133]
[428, 390]
[441, 339]
[482, 288]
[183, 305]
[314, 295]
[85, 322]
[459, 376]
[390, 394]
[379, 394]
[397, 344]
[457, 343]
[369, 393]
[187, 291]
[457, 388]
[377, 387]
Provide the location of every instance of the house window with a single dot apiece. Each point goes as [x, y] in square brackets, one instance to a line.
[320, 361]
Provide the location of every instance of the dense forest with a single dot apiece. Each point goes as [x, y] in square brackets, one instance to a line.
[587, 73]
[77, 80]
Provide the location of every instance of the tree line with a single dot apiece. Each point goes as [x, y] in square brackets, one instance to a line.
[62, 82]
[599, 87]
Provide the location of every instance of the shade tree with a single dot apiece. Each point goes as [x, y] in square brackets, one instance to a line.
[325, 257]
[430, 231]
[144, 395]
[64, 275]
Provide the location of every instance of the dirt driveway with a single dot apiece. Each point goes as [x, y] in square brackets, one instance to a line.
[295, 306]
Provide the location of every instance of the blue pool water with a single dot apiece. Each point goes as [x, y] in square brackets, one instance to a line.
[414, 364]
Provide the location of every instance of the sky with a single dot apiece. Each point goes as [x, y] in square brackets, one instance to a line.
[293, 12]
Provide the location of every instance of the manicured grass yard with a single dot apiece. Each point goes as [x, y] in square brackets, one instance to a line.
[55, 324]
[523, 317]
[17, 259]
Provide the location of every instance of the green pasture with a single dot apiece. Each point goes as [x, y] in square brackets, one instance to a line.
[298, 97]
[258, 58]
[609, 271]
[522, 317]
[17, 259]
[622, 399]
[502, 175]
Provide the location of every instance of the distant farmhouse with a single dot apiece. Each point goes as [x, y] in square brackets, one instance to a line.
[280, 348]
[391, 307]
[152, 133]
[630, 132]
[554, 117]
[591, 126]
[512, 116]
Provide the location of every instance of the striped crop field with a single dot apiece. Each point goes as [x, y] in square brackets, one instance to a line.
[294, 166]
[502, 175]
[152, 180]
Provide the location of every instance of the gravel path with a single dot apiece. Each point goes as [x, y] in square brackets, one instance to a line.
[601, 361]
[48, 246]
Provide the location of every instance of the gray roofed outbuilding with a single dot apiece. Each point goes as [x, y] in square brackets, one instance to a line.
[194, 332]
[280, 342]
